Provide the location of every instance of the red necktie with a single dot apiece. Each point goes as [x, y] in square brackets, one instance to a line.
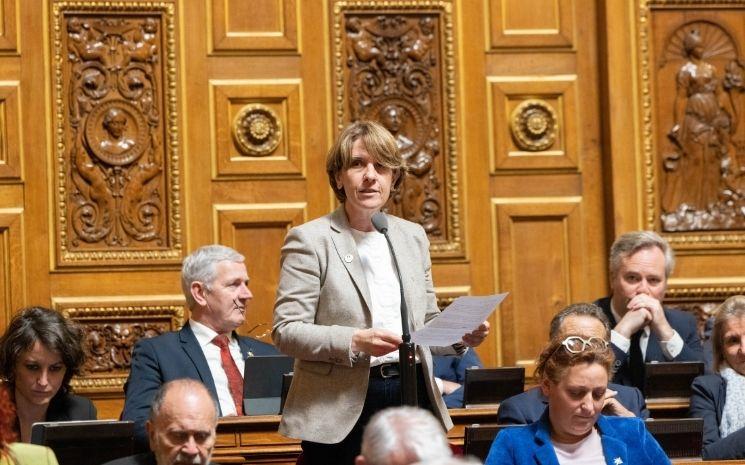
[235, 380]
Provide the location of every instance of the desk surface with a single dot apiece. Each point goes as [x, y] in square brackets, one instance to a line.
[256, 440]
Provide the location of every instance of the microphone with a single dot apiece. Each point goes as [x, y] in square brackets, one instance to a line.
[407, 349]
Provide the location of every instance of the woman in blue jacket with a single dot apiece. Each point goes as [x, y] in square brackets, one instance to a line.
[574, 375]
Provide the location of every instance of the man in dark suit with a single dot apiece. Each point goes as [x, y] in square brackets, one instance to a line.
[181, 427]
[642, 330]
[586, 320]
[215, 283]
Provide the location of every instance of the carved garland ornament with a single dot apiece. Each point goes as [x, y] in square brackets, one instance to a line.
[534, 125]
[116, 136]
[257, 130]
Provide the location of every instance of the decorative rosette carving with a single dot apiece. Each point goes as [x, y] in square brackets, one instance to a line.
[534, 125]
[257, 130]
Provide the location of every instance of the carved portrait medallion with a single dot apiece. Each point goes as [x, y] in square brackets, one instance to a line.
[116, 132]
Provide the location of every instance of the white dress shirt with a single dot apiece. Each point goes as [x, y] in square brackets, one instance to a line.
[382, 281]
[211, 351]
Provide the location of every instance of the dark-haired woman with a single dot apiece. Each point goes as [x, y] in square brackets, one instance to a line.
[39, 353]
[574, 376]
[13, 453]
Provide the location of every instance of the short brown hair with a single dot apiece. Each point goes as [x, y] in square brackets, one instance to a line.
[378, 142]
[732, 308]
[554, 359]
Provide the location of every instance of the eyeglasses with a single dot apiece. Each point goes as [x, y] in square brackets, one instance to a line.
[576, 344]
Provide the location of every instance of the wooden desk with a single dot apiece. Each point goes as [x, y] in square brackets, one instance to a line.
[669, 407]
[242, 440]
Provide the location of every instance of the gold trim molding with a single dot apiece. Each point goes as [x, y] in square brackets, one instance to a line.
[454, 247]
[172, 252]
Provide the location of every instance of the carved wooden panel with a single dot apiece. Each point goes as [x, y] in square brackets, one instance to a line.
[8, 25]
[533, 122]
[531, 23]
[397, 67]
[539, 238]
[253, 229]
[693, 92]
[255, 26]
[112, 326]
[117, 184]
[10, 130]
[256, 127]
[12, 264]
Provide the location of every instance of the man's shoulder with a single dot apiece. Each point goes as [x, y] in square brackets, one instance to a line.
[675, 315]
[258, 347]
[532, 395]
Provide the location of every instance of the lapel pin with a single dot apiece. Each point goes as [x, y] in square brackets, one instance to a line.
[617, 461]
[348, 258]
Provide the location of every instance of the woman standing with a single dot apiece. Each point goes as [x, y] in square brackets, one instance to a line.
[720, 398]
[574, 376]
[39, 353]
[338, 304]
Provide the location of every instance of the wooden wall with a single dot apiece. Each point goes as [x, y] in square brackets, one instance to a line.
[133, 132]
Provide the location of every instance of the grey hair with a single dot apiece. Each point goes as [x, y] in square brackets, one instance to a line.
[580, 309]
[410, 430]
[200, 266]
[631, 242]
[184, 383]
[730, 309]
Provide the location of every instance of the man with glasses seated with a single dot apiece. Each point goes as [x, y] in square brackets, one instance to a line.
[586, 320]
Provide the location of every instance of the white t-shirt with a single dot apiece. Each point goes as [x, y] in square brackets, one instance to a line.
[588, 451]
[382, 281]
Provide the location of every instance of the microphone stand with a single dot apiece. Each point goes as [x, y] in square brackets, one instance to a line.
[407, 349]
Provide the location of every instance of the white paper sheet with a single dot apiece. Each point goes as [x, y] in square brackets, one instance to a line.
[461, 317]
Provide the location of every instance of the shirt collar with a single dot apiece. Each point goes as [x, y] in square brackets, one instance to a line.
[204, 334]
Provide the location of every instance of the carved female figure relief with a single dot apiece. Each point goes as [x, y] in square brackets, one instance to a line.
[703, 166]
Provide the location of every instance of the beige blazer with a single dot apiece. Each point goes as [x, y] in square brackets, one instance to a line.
[322, 299]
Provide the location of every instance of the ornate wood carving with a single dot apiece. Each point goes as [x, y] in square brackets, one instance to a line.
[534, 125]
[117, 140]
[110, 335]
[396, 67]
[703, 169]
[692, 75]
[257, 130]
